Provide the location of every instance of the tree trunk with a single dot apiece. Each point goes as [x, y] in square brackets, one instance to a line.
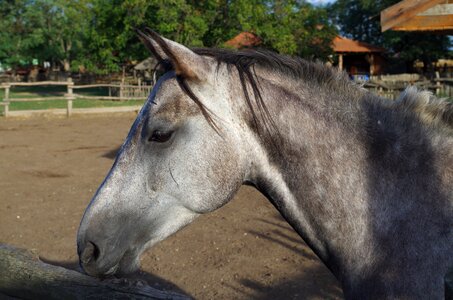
[24, 276]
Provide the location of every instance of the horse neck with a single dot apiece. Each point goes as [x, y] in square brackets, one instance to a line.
[298, 176]
[336, 173]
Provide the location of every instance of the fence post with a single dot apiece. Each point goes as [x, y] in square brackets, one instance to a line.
[6, 100]
[437, 83]
[121, 89]
[70, 96]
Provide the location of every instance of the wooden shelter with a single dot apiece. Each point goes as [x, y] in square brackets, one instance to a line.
[419, 15]
[358, 58]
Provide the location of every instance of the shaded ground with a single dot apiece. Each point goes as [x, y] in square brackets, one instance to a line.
[49, 170]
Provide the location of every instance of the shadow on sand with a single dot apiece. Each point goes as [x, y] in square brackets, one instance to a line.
[306, 285]
[111, 154]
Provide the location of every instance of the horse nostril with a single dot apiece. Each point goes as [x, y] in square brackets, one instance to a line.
[91, 252]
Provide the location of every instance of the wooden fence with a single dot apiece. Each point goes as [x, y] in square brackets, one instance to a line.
[441, 87]
[122, 91]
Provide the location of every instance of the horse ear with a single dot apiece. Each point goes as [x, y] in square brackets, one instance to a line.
[186, 63]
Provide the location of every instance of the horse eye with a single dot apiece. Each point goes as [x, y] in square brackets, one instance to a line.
[160, 136]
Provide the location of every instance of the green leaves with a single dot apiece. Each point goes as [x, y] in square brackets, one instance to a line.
[99, 36]
[49, 30]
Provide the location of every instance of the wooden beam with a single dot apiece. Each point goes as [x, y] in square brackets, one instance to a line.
[426, 23]
[438, 10]
[404, 10]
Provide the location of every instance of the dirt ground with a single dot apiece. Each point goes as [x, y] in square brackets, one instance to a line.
[51, 167]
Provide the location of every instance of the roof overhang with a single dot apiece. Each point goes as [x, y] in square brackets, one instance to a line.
[419, 15]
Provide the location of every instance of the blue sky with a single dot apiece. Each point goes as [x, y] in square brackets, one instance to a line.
[320, 2]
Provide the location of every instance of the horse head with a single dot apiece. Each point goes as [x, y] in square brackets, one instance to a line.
[182, 158]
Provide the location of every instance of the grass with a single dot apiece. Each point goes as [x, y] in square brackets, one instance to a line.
[59, 91]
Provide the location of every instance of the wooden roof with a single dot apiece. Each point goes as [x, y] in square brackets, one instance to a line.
[244, 40]
[419, 15]
[340, 44]
[344, 45]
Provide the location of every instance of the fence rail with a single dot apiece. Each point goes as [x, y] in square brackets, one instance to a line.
[442, 87]
[124, 91]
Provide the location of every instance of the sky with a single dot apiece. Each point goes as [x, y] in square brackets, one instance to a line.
[320, 2]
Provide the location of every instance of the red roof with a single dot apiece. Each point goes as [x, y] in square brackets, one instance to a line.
[243, 40]
[342, 44]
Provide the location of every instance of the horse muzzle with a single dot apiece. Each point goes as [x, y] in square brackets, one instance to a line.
[93, 261]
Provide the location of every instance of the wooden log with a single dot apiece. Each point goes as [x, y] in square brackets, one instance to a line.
[24, 276]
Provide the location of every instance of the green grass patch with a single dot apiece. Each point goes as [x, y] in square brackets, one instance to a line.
[59, 91]
[78, 103]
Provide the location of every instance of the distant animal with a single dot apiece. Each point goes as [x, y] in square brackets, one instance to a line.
[367, 182]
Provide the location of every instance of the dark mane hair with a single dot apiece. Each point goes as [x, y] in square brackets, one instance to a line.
[245, 61]
[298, 68]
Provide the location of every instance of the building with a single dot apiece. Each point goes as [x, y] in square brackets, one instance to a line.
[358, 58]
[433, 16]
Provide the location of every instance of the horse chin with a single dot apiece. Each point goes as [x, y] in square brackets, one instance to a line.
[128, 264]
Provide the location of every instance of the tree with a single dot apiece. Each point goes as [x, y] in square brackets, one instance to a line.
[49, 30]
[99, 34]
[359, 19]
[112, 40]
[11, 22]
[64, 26]
[289, 27]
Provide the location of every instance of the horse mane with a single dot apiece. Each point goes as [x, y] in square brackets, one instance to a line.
[245, 61]
[295, 67]
[429, 109]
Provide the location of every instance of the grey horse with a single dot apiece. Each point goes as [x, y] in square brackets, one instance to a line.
[365, 181]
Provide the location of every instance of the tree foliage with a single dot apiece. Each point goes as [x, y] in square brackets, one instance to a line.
[99, 34]
[51, 30]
